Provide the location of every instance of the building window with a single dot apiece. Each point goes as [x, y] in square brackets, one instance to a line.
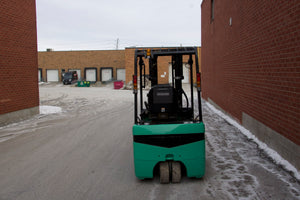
[212, 10]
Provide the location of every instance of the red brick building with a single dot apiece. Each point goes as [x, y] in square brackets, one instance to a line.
[95, 65]
[19, 95]
[101, 65]
[251, 67]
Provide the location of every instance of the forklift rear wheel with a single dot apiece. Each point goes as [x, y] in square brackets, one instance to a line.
[176, 172]
[164, 172]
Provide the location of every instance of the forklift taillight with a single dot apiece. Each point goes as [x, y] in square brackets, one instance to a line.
[198, 80]
[135, 82]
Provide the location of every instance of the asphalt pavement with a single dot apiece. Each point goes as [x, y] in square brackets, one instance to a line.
[85, 152]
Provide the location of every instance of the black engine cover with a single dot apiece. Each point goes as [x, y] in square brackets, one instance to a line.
[162, 99]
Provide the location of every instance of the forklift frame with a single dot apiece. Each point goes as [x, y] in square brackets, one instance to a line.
[153, 54]
[177, 144]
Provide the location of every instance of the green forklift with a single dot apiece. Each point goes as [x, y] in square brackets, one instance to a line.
[168, 131]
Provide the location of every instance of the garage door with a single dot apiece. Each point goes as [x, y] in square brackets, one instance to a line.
[78, 72]
[121, 74]
[40, 75]
[90, 75]
[52, 75]
[106, 74]
[186, 73]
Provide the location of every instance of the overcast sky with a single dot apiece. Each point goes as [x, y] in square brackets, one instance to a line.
[97, 24]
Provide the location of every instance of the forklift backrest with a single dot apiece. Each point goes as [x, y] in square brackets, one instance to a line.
[162, 99]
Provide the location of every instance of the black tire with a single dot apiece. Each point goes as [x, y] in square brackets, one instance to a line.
[164, 173]
[176, 172]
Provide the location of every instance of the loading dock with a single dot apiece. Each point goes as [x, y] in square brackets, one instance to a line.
[106, 74]
[186, 73]
[90, 74]
[40, 75]
[121, 74]
[78, 73]
[52, 75]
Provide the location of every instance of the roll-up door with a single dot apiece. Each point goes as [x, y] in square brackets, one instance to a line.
[121, 74]
[186, 73]
[52, 75]
[106, 74]
[91, 75]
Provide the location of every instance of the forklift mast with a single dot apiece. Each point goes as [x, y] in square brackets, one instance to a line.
[177, 77]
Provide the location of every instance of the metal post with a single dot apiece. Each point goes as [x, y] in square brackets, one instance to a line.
[172, 68]
[135, 92]
[178, 76]
[198, 91]
[153, 70]
[192, 82]
[141, 63]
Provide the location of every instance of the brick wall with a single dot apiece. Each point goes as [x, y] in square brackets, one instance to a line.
[129, 63]
[81, 60]
[18, 56]
[98, 59]
[253, 65]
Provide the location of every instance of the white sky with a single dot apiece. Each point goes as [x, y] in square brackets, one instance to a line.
[96, 24]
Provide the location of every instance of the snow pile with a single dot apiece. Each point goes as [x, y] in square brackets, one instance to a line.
[273, 154]
[50, 110]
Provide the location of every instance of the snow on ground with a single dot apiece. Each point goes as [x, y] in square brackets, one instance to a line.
[44, 110]
[238, 165]
[58, 101]
[270, 152]
[12, 130]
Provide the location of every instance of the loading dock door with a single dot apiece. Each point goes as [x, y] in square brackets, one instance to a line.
[40, 75]
[186, 73]
[121, 74]
[78, 72]
[106, 74]
[52, 75]
[90, 75]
